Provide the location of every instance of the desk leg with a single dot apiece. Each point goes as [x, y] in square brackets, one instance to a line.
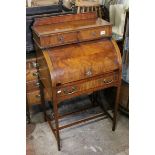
[27, 112]
[55, 106]
[43, 101]
[93, 98]
[116, 108]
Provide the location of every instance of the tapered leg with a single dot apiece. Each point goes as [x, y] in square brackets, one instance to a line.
[55, 108]
[27, 112]
[116, 108]
[43, 101]
[92, 98]
[57, 123]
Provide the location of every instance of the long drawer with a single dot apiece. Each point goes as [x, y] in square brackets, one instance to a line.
[34, 97]
[102, 81]
[31, 63]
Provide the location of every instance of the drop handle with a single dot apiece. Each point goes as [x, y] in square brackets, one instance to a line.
[107, 81]
[68, 92]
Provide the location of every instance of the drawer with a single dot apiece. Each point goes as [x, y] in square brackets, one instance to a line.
[90, 34]
[31, 75]
[93, 84]
[58, 39]
[31, 63]
[34, 97]
[32, 85]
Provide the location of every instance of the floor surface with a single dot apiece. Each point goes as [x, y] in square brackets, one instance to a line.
[95, 137]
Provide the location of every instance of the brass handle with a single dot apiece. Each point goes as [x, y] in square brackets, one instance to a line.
[36, 74]
[37, 84]
[38, 96]
[68, 92]
[34, 64]
[61, 39]
[89, 72]
[107, 81]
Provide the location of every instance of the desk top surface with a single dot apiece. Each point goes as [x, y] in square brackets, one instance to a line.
[70, 25]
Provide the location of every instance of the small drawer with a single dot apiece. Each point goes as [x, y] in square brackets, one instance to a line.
[31, 75]
[104, 81]
[58, 39]
[32, 85]
[31, 63]
[90, 34]
[34, 97]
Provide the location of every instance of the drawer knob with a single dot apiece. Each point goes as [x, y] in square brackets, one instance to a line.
[34, 64]
[35, 74]
[89, 72]
[71, 91]
[107, 81]
[61, 39]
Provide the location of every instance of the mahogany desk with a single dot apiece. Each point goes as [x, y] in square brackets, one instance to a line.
[76, 55]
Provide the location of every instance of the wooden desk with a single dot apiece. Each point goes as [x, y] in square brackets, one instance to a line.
[76, 57]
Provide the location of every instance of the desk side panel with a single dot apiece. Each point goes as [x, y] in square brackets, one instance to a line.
[44, 73]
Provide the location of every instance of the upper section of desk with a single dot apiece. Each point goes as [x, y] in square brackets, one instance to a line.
[60, 30]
